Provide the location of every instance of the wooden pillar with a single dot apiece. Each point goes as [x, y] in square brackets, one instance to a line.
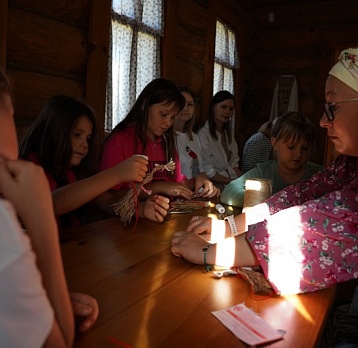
[97, 63]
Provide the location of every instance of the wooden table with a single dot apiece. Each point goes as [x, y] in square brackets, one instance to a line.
[150, 298]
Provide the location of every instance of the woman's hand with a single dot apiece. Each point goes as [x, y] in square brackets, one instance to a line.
[84, 306]
[25, 185]
[189, 246]
[155, 208]
[200, 224]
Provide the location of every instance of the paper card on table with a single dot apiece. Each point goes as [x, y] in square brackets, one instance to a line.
[247, 326]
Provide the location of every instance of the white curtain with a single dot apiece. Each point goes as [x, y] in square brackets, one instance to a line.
[226, 58]
[134, 57]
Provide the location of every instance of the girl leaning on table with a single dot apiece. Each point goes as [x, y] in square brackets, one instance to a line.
[35, 303]
[148, 130]
[292, 137]
[305, 236]
[62, 140]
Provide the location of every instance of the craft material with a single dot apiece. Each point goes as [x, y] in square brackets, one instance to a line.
[181, 206]
[224, 273]
[199, 193]
[256, 191]
[129, 204]
[220, 208]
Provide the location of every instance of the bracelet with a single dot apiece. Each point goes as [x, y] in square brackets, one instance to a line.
[205, 251]
[232, 224]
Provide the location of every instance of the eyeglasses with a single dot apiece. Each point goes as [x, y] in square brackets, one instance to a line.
[330, 108]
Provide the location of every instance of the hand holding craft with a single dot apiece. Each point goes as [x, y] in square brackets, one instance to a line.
[132, 169]
[129, 205]
[155, 208]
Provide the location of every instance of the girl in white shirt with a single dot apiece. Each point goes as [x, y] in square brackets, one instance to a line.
[187, 142]
[219, 148]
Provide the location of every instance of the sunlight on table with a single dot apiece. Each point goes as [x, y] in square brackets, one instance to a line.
[222, 293]
[297, 303]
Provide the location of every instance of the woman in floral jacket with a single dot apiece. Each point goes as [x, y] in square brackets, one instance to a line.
[304, 237]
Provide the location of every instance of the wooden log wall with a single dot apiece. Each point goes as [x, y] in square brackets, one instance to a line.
[304, 40]
[189, 46]
[56, 47]
[46, 53]
[52, 47]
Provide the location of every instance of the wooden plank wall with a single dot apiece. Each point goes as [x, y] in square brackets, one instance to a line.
[189, 46]
[51, 47]
[46, 53]
[62, 47]
[301, 41]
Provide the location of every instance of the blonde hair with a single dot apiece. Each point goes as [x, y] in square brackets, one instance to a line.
[293, 125]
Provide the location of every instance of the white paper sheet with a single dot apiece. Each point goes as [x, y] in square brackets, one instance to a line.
[247, 326]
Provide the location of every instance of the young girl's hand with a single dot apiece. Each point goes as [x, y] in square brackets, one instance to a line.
[205, 188]
[132, 169]
[9, 149]
[6, 107]
[176, 189]
[155, 208]
[25, 185]
[84, 306]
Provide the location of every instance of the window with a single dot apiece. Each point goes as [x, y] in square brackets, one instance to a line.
[226, 58]
[134, 58]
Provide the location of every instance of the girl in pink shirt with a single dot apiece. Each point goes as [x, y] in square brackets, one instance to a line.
[148, 130]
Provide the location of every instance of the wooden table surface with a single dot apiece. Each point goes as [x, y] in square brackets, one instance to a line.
[150, 298]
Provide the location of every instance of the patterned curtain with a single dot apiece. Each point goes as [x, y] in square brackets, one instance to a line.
[226, 58]
[134, 57]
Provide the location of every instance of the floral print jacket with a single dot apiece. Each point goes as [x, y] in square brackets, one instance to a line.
[305, 236]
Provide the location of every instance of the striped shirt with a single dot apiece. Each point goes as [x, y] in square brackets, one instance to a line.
[257, 149]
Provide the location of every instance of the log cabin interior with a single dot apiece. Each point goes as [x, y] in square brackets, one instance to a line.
[61, 47]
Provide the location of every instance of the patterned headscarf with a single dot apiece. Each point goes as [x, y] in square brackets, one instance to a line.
[346, 69]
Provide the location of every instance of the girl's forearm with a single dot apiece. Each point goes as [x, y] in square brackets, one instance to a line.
[45, 243]
[74, 195]
[218, 178]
